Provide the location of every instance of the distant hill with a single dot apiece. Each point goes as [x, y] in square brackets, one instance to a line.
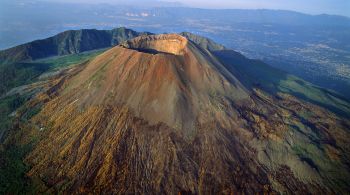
[203, 42]
[257, 16]
[68, 42]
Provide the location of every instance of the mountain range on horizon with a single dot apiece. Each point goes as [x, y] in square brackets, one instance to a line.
[104, 17]
[119, 111]
[312, 47]
[173, 4]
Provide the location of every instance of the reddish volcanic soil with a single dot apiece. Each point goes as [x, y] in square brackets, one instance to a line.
[176, 86]
[161, 115]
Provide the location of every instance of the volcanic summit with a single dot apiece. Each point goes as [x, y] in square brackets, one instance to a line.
[165, 114]
[162, 78]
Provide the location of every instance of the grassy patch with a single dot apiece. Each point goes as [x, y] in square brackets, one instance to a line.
[12, 171]
[14, 75]
[17, 74]
[7, 106]
[64, 61]
[12, 167]
[255, 73]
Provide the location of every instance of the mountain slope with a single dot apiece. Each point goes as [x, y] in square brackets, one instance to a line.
[203, 42]
[255, 73]
[68, 42]
[162, 114]
[12, 167]
[162, 87]
[23, 73]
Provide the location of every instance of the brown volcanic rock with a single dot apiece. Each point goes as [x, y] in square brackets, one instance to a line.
[160, 114]
[174, 88]
[170, 43]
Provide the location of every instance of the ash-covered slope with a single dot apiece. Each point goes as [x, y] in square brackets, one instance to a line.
[161, 114]
[163, 78]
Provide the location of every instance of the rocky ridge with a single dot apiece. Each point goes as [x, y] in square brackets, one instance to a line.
[162, 114]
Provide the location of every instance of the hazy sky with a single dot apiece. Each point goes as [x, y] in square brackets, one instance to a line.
[341, 7]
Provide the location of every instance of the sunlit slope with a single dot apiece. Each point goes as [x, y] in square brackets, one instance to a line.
[162, 114]
[12, 168]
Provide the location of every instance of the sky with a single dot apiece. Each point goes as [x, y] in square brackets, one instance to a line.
[338, 7]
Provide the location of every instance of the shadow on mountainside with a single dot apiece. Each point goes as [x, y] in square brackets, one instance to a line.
[255, 73]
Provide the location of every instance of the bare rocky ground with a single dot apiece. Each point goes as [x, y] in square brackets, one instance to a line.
[160, 114]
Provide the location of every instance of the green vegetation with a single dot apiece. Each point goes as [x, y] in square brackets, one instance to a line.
[64, 61]
[255, 73]
[12, 168]
[12, 171]
[14, 75]
[65, 43]
[7, 106]
[314, 94]
[17, 74]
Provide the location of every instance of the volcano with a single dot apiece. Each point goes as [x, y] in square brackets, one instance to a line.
[165, 114]
[162, 78]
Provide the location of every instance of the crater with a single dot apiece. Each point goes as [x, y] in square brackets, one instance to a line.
[154, 44]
